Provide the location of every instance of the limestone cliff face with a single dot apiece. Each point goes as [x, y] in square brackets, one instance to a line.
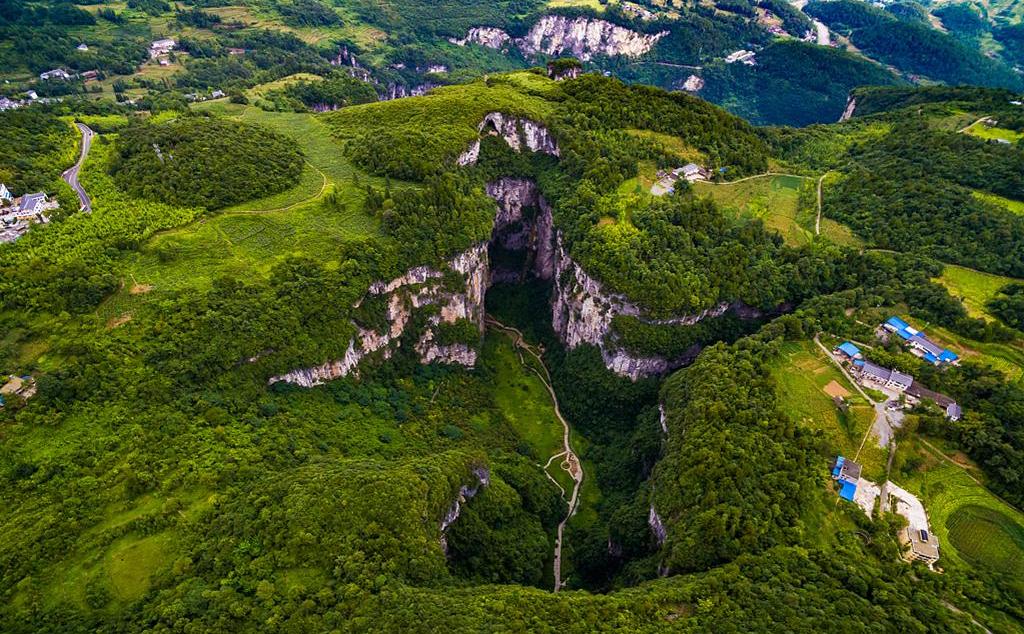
[466, 493]
[418, 287]
[657, 527]
[555, 35]
[582, 313]
[484, 36]
[515, 229]
[518, 132]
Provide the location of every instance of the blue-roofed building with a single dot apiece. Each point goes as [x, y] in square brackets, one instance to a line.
[847, 473]
[848, 350]
[919, 343]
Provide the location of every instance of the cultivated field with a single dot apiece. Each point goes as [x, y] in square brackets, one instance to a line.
[973, 287]
[974, 527]
[805, 379]
[772, 199]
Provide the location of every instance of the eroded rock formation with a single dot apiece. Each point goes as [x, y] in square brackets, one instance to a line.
[517, 132]
[556, 35]
[466, 493]
[418, 287]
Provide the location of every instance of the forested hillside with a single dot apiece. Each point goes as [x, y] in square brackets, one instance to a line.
[477, 361]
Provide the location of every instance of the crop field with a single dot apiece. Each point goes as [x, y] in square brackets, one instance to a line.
[805, 379]
[772, 199]
[973, 287]
[988, 538]
[983, 131]
[1008, 358]
[974, 527]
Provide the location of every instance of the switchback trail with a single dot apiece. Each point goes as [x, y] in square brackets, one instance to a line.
[570, 461]
[70, 175]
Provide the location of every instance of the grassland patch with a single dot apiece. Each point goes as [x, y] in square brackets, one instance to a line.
[987, 538]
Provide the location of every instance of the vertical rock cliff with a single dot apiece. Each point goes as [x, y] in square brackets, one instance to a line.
[556, 35]
[418, 287]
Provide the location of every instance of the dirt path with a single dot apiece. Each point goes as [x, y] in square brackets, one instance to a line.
[570, 461]
[70, 175]
[323, 188]
[881, 425]
[968, 127]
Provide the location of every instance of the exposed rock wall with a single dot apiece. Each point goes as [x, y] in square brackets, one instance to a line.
[556, 35]
[514, 229]
[582, 313]
[657, 527]
[517, 132]
[466, 493]
[851, 105]
[418, 287]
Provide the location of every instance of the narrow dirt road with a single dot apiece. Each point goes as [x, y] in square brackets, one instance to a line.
[70, 175]
[570, 461]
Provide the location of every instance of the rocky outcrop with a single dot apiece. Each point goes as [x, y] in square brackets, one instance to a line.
[851, 105]
[556, 35]
[484, 36]
[657, 527]
[582, 313]
[466, 493]
[523, 222]
[517, 132]
[418, 287]
[662, 420]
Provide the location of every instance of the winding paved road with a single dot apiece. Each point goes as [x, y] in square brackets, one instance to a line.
[70, 175]
[570, 461]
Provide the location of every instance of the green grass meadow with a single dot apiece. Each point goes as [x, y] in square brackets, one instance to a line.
[802, 373]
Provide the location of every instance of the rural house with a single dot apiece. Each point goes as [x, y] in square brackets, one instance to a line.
[5, 194]
[56, 73]
[848, 350]
[847, 474]
[161, 47]
[920, 344]
[883, 377]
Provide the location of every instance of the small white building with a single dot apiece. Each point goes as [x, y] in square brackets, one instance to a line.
[742, 56]
[217, 94]
[56, 73]
[161, 47]
[82, 47]
[32, 95]
[5, 194]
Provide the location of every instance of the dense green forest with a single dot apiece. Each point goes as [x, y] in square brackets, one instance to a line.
[163, 479]
[203, 162]
[794, 83]
[912, 47]
[37, 147]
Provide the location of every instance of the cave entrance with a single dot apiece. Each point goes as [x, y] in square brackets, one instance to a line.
[522, 241]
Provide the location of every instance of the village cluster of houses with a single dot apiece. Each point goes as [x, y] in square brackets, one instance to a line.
[918, 343]
[31, 97]
[17, 214]
[895, 382]
[195, 96]
[159, 50]
[23, 387]
[920, 542]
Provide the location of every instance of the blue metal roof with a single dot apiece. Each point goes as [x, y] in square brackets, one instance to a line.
[948, 355]
[839, 466]
[846, 490]
[858, 362]
[930, 358]
[897, 323]
[849, 349]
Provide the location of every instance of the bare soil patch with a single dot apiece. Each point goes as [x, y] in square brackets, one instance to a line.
[834, 389]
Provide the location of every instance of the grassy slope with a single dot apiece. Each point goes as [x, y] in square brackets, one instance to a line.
[973, 287]
[801, 374]
[450, 114]
[952, 499]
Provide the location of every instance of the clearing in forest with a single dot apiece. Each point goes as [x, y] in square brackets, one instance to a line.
[806, 382]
